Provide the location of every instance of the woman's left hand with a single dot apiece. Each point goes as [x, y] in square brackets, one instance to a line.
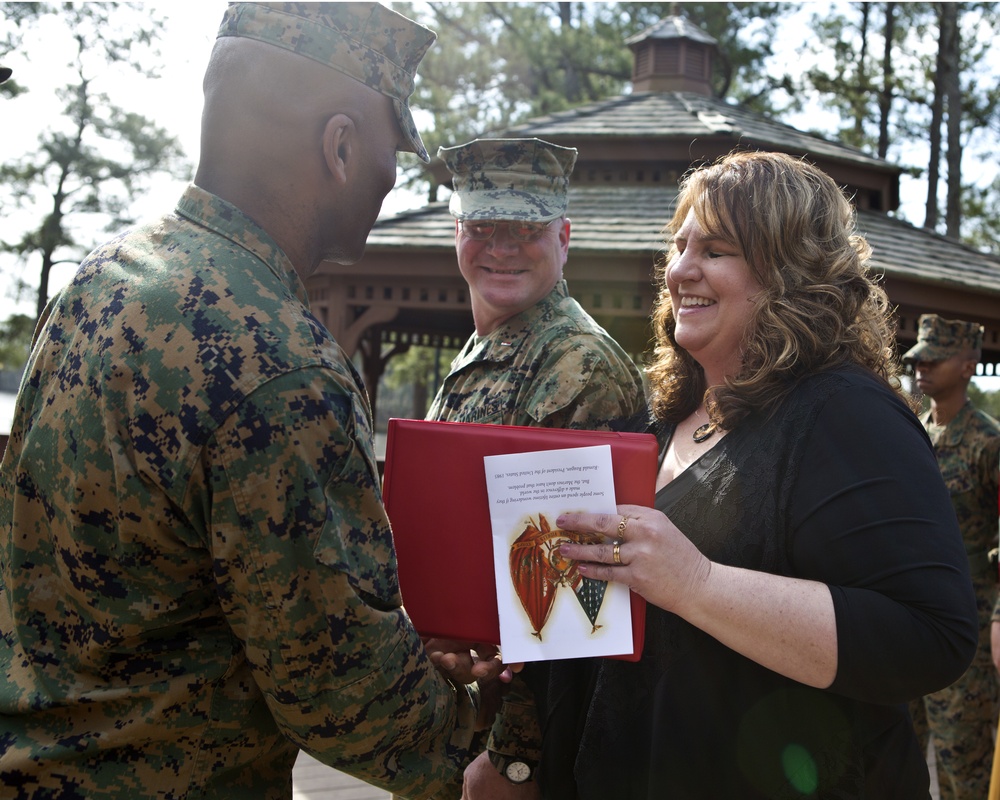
[785, 624]
[654, 558]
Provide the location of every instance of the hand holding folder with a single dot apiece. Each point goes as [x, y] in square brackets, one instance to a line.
[436, 498]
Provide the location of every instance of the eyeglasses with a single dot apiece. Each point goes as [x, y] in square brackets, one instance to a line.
[516, 230]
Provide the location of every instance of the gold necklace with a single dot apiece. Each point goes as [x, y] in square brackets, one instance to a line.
[703, 432]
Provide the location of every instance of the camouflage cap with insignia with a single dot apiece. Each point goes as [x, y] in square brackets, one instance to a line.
[524, 179]
[939, 338]
[365, 41]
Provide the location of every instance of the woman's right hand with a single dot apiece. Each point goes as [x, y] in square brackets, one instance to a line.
[657, 561]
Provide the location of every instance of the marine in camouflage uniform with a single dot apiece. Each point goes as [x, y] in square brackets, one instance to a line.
[550, 366]
[198, 576]
[536, 358]
[961, 719]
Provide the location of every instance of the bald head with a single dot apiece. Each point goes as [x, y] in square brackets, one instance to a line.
[278, 131]
[251, 80]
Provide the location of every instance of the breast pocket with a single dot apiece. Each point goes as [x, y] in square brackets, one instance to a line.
[957, 476]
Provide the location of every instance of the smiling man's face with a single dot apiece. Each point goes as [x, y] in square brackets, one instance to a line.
[507, 276]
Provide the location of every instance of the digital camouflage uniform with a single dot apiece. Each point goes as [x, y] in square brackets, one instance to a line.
[198, 575]
[963, 717]
[549, 366]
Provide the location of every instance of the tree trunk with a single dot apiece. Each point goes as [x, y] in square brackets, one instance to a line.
[885, 97]
[937, 117]
[951, 41]
[421, 399]
[52, 235]
[573, 89]
[861, 97]
[43, 286]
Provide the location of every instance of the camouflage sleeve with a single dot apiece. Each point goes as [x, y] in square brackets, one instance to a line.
[583, 386]
[516, 731]
[306, 574]
[988, 470]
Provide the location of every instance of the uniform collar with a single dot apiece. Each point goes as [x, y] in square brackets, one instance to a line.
[501, 344]
[225, 219]
[950, 434]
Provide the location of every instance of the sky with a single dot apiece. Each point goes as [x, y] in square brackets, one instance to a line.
[174, 101]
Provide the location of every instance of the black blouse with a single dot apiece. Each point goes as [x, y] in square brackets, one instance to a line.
[841, 486]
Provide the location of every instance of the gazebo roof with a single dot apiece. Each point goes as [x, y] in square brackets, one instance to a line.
[687, 117]
[628, 220]
[674, 27]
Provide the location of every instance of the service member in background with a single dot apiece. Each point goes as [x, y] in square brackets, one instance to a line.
[960, 720]
[536, 357]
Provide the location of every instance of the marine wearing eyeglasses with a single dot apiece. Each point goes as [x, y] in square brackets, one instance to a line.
[536, 357]
[518, 231]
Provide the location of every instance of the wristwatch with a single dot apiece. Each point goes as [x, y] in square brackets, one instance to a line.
[514, 769]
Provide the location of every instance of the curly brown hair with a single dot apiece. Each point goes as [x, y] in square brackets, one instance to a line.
[819, 308]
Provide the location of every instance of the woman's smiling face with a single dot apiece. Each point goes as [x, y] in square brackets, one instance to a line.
[711, 291]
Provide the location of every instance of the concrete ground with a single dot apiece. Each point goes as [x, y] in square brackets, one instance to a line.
[314, 781]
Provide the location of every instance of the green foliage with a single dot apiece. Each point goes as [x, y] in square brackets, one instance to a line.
[863, 84]
[410, 382]
[418, 364]
[15, 341]
[981, 212]
[745, 33]
[93, 159]
[985, 401]
[498, 64]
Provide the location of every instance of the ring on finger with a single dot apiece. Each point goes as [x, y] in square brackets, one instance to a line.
[622, 524]
[617, 552]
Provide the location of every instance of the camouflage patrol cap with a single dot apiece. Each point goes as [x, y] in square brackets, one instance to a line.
[938, 338]
[524, 179]
[366, 41]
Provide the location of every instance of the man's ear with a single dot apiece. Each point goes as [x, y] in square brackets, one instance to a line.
[969, 367]
[339, 139]
[564, 229]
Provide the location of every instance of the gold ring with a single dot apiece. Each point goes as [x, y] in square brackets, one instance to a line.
[617, 552]
[621, 527]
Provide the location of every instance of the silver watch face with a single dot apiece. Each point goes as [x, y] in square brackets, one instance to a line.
[517, 772]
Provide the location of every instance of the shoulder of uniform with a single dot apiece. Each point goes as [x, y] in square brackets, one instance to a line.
[985, 422]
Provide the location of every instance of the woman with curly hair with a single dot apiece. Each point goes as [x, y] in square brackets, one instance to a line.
[804, 572]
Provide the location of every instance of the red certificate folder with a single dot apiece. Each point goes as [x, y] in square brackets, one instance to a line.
[435, 495]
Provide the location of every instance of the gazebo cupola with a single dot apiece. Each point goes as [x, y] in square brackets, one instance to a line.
[672, 56]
